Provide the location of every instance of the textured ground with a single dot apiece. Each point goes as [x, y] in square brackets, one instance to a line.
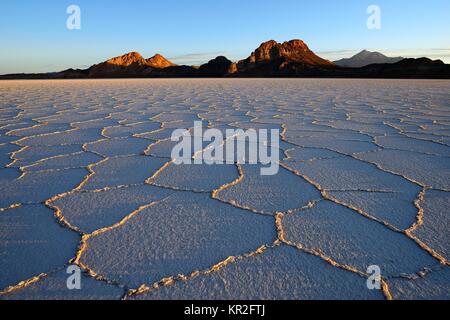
[86, 179]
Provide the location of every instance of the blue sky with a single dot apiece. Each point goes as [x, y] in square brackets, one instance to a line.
[34, 37]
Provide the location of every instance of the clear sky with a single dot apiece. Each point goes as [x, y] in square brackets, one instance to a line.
[34, 37]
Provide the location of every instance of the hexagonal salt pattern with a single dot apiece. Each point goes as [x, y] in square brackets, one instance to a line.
[86, 178]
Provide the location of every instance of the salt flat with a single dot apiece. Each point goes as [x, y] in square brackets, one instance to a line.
[86, 178]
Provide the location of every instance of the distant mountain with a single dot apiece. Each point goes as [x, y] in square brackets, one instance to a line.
[364, 58]
[130, 64]
[271, 59]
[217, 67]
[293, 51]
[420, 68]
[159, 62]
[277, 59]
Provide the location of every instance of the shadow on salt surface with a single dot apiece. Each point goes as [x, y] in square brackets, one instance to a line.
[280, 273]
[9, 125]
[432, 286]
[119, 146]
[40, 129]
[31, 243]
[198, 177]
[178, 125]
[420, 108]
[309, 154]
[95, 124]
[402, 126]
[330, 135]
[5, 153]
[39, 186]
[123, 171]
[351, 239]
[228, 119]
[7, 113]
[343, 146]
[131, 129]
[182, 234]
[81, 159]
[6, 139]
[33, 154]
[74, 136]
[157, 134]
[282, 192]
[257, 125]
[365, 127]
[187, 116]
[436, 221]
[442, 139]
[409, 144]
[161, 148]
[53, 287]
[90, 211]
[396, 208]
[67, 117]
[125, 117]
[345, 174]
[432, 171]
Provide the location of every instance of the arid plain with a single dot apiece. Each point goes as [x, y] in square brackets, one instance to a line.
[86, 180]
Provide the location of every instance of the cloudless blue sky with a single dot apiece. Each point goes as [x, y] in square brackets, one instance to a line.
[34, 37]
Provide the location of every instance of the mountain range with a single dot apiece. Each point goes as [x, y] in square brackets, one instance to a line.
[364, 58]
[271, 59]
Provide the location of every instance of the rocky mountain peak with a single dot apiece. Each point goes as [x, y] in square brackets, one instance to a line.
[127, 59]
[366, 57]
[291, 51]
[158, 61]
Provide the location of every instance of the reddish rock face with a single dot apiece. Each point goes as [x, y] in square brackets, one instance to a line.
[127, 60]
[271, 59]
[267, 51]
[297, 50]
[130, 64]
[159, 62]
[290, 51]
